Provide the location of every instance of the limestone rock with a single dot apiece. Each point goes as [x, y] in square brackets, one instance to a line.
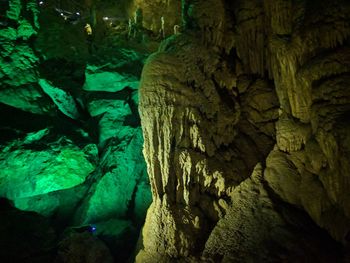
[272, 88]
[113, 115]
[26, 173]
[113, 195]
[192, 147]
[70, 136]
[64, 101]
[83, 247]
[291, 136]
[108, 81]
[18, 60]
[243, 83]
[257, 229]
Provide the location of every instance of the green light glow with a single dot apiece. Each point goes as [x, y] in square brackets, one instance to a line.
[114, 192]
[26, 173]
[108, 81]
[74, 152]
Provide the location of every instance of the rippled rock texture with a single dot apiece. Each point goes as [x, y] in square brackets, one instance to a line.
[249, 84]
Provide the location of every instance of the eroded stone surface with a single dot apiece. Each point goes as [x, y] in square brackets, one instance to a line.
[27, 172]
[256, 228]
[245, 82]
[215, 101]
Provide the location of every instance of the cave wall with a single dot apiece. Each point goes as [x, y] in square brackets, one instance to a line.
[249, 86]
[244, 118]
[70, 138]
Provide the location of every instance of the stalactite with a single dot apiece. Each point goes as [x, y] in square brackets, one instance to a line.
[275, 36]
[251, 36]
[278, 15]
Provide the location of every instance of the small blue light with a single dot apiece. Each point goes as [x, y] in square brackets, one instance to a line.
[93, 228]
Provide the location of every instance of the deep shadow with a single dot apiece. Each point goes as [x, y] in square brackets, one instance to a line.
[25, 236]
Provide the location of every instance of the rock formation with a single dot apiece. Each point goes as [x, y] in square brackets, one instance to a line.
[250, 84]
[70, 138]
[235, 139]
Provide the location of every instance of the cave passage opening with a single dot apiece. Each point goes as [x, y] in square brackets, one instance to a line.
[72, 169]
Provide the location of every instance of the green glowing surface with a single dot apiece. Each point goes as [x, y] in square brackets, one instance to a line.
[112, 123]
[18, 61]
[14, 10]
[43, 176]
[97, 80]
[26, 173]
[115, 191]
[25, 30]
[64, 101]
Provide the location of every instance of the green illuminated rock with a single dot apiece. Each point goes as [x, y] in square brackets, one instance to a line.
[18, 64]
[109, 81]
[64, 101]
[28, 172]
[114, 114]
[28, 98]
[36, 136]
[117, 193]
[18, 61]
[62, 202]
[25, 30]
[14, 11]
[6, 35]
[70, 140]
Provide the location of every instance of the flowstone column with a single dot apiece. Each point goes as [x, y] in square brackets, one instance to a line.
[186, 127]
